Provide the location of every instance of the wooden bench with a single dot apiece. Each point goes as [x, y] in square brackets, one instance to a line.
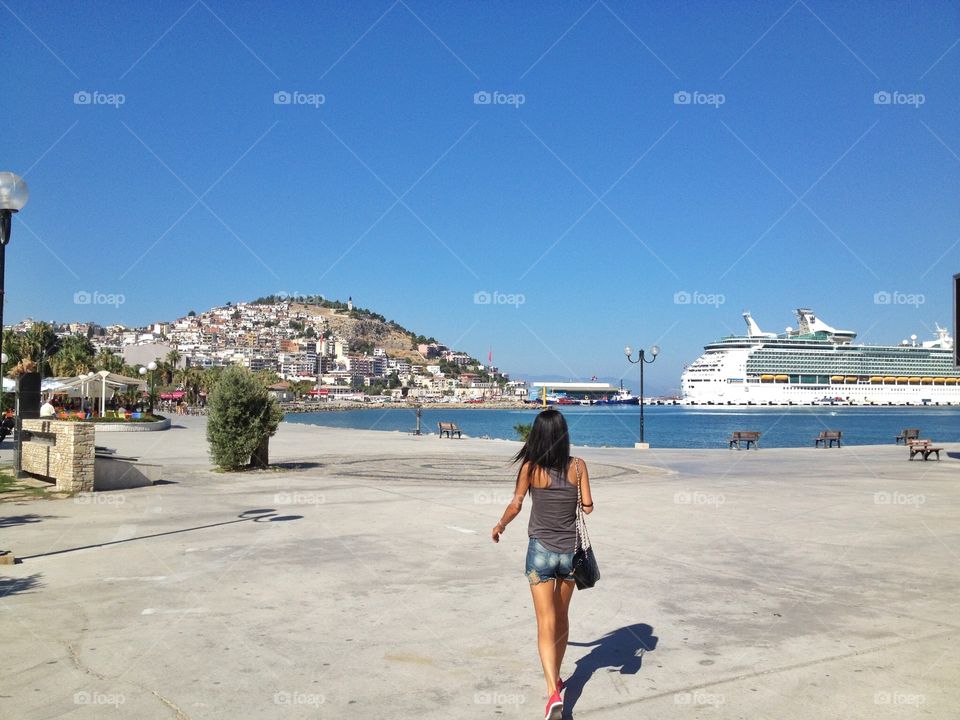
[449, 429]
[925, 448]
[743, 436]
[828, 437]
[907, 435]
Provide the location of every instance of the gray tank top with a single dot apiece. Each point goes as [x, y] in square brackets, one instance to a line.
[554, 512]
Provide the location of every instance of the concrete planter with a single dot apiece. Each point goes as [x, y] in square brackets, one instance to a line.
[132, 426]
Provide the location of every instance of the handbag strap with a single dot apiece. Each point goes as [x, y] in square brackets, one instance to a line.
[583, 539]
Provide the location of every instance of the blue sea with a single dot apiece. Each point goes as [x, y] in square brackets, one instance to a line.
[669, 426]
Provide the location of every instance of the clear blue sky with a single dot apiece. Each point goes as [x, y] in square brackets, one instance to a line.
[597, 199]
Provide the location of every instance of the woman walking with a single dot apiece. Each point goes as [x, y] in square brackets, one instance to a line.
[551, 476]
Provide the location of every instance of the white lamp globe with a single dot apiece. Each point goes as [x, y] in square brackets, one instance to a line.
[142, 371]
[14, 192]
[152, 366]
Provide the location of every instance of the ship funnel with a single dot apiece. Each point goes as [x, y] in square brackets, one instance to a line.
[753, 330]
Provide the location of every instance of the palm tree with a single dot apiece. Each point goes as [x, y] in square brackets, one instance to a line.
[174, 357]
[40, 343]
[109, 361]
[11, 346]
[74, 357]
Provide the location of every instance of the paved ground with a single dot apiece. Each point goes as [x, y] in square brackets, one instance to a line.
[358, 580]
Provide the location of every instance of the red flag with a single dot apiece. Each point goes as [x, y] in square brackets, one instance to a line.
[490, 357]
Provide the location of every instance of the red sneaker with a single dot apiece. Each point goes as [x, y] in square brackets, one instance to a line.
[559, 685]
[554, 707]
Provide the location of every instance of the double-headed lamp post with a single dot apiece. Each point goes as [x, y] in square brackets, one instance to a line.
[152, 366]
[642, 360]
[13, 196]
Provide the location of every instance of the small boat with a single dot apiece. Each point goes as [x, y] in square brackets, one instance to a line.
[624, 397]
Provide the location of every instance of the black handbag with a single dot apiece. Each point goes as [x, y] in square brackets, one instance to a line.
[585, 569]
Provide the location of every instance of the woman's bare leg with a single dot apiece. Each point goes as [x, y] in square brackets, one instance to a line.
[543, 605]
[562, 594]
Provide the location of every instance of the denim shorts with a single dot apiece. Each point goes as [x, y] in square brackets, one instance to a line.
[543, 564]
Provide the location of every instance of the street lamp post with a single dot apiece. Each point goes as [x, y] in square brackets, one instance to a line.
[13, 196]
[641, 360]
[151, 366]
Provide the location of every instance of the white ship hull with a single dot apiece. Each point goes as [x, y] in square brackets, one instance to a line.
[818, 365]
[768, 394]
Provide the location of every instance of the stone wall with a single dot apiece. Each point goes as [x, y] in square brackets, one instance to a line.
[60, 450]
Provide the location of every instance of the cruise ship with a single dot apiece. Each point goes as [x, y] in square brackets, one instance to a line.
[817, 364]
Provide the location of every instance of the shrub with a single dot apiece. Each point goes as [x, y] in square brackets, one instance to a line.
[523, 430]
[242, 417]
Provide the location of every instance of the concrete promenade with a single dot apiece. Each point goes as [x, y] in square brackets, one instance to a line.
[357, 579]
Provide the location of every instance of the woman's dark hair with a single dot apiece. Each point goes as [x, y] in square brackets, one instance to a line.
[548, 445]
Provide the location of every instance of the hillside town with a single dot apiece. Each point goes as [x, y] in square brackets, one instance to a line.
[318, 349]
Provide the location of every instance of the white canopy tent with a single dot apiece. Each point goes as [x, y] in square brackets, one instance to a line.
[91, 385]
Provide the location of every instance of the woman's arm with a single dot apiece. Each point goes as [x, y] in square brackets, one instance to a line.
[586, 498]
[515, 505]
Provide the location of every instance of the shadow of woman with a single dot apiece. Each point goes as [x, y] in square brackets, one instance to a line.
[621, 649]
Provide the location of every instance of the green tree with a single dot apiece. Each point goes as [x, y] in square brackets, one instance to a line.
[12, 348]
[74, 357]
[242, 417]
[106, 360]
[40, 343]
